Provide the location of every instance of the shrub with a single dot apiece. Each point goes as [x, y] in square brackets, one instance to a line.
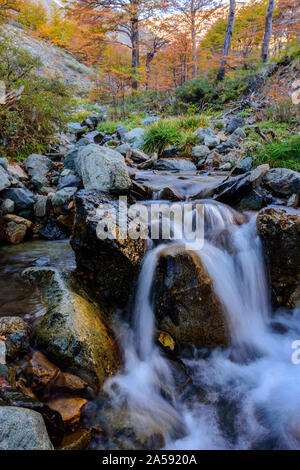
[109, 127]
[32, 124]
[197, 91]
[191, 123]
[32, 15]
[160, 135]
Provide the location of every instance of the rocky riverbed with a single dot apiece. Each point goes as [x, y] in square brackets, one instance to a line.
[119, 343]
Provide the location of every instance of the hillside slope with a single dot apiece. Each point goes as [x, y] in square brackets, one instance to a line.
[56, 62]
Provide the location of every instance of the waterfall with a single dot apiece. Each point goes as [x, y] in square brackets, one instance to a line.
[253, 380]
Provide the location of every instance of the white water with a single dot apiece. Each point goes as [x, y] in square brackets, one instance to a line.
[252, 388]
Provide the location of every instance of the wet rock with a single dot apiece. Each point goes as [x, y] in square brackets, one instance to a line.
[22, 429]
[113, 263]
[16, 228]
[23, 198]
[233, 190]
[74, 332]
[70, 383]
[41, 371]
[52, 230]
[69, 409]
[234, 123]
[135, 137]
[185, 304]
[200, 151]
[282, 181]
[52, 419]
[63, 195]
[279, 230]
[178, 164]
[7, 206]
[103, 169]
[70, 180]
[4, 179]
[254, 200]
[78, 440]
[42, 206]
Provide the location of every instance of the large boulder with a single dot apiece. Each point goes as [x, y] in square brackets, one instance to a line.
[114, 263]
[279, 230]
[38, 166]
[22, 429]
[75, 331]
[283, 181]
[178, 164]
[103, 169]
[135, 137]
[185, 303]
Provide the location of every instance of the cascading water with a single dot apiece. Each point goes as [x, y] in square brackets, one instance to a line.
[252, 397]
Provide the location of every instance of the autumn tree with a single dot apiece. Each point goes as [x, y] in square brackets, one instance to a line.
[193, 15]
[6, 9]
[123, 17]
[268, 31]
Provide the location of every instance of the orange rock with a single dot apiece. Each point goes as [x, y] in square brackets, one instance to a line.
[70, 383]
[41, 370]
[69, 408]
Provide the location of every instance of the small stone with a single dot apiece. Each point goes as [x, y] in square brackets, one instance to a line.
[4, 179]
[23, 198]
[293, 201]
[17, 171]
[41, 371]
[69, 408]
[70, 383]
[16, 228]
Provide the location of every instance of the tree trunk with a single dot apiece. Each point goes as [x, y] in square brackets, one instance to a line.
[135, 62]
[149, 58]
[268, 31]
[227, 40]
[194, 45]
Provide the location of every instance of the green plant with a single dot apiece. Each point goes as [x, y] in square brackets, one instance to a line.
[191, 123]
[109, 127]
[281, 154]
[160, 135]
[41, 112]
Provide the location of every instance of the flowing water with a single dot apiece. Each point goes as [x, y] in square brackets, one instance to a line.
[242, 397]
[251, 388]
